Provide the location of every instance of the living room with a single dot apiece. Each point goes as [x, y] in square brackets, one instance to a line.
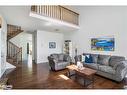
[102, 23]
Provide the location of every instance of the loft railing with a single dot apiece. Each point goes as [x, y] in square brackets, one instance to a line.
[57, 12]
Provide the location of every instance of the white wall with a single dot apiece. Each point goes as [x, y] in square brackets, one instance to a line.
[101, 22]
[3, 49]
[35, 46]
[0, 53]
[21, 40]
[43, 38]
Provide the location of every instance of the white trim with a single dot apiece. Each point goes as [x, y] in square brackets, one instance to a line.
[9, 66]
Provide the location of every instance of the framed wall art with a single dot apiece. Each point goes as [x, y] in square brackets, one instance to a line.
[52, 45]
[102, 44]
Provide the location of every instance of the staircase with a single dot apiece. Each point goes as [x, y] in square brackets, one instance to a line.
[12, 31]
[14, 53]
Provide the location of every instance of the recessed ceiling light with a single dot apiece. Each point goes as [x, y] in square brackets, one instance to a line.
[56, 29]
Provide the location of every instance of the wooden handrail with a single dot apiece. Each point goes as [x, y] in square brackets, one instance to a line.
[57, 12]
[13, 44]
[20, 49]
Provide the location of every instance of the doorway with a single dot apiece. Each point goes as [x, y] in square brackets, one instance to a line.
[29, 50]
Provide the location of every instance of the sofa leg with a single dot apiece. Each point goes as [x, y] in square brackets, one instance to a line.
[51, 68]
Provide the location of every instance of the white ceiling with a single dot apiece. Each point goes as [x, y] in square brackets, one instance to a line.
[19, 15]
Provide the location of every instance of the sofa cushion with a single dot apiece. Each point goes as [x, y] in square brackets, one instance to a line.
[124, 63]
[115, 65]
[103, 59]
[107, 69]
[94, 57]
[92, 65]
[115, 60]
[60, 57]
[61, 65]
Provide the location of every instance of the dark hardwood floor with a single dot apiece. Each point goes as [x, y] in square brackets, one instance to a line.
[38, 76]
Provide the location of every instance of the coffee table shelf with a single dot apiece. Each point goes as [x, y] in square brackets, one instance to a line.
[85, 73]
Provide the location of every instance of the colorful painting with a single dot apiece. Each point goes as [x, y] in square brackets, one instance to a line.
[102, 44]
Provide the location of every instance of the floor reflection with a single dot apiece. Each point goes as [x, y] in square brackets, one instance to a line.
[29, 61]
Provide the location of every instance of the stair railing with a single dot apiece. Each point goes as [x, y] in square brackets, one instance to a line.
[14, 52]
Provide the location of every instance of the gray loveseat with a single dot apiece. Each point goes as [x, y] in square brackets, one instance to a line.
[59, 61]
[112, 67]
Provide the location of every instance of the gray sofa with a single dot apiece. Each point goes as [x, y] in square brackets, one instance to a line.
[112, 67]
[59, 61]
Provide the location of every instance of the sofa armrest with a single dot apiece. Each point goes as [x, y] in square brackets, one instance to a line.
[52, 62]
[68, 59]
[78, 58]
[121, 69]
[52, 59]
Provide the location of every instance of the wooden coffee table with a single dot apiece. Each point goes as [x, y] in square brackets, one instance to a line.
[85, 73]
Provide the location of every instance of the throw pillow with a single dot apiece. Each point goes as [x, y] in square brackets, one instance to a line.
[94, 57]
[103, 59]
[88, 59]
